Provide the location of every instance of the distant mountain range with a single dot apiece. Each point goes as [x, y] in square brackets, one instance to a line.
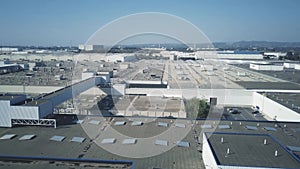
[257, 44]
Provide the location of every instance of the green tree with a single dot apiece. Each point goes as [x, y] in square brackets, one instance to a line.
[203, 109]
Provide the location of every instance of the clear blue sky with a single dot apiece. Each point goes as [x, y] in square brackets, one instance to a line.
[62, 22]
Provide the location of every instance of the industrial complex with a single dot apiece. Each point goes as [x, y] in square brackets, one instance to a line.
[130, 110]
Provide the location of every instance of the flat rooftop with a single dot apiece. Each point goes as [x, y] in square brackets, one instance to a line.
[290, 100]
[291, 75]
[35, 103]
[150, 104]
[249, 150]
[269, 85]
[8, 97]
[180, 157]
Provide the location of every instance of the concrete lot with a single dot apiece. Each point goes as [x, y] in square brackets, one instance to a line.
[245, 114]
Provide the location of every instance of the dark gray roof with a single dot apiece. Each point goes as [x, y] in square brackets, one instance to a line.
[249, 150]
[179, 157]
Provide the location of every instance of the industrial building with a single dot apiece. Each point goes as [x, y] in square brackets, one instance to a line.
[6, 67]
[248, 55]
[274, 54]
[202, 145]
[18, 110]
[267, 67]
[8, 50]
[290, 65]
[120, 58]
[145, 102]
[91, 48]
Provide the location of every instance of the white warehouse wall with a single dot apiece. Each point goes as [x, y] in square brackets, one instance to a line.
[24, 112]
[242, 167]
[5, 117]
[207, 155]
[272, 109]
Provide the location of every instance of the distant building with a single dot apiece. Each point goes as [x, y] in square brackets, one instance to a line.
[120, 58]
[267, 67]
[11, 109]
[91, 48]
[7, 67]
[274, 54]
[8, 50]
[289, 65]
[239, 55]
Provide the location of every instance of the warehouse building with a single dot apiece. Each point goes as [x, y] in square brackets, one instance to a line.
[6, 67]
[91, 48]
[267, 67]
[252, 55]
[15, 107]
[17, 110]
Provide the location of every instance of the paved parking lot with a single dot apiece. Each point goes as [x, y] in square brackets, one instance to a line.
[245, 114]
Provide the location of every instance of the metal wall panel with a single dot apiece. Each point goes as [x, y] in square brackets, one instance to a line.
[24, 112]
[5, 119]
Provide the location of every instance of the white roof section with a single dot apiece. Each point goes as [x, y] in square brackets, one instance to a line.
[251, 127]
[27, 137]
[129, 141]
[137, 123]
[57, 138]
[120, 123]
[95, 122]
[108, 141]
[180, 125]
[183, 144]
[206, 126]
[77, 139]
[162, 124]
[161, 142]
[7, 136]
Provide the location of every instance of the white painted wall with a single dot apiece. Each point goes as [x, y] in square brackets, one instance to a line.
[28, 89]
[266, 67]
[242, 167]
[24, 112]
[5, 117]
[207, 155]
[272, 109]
